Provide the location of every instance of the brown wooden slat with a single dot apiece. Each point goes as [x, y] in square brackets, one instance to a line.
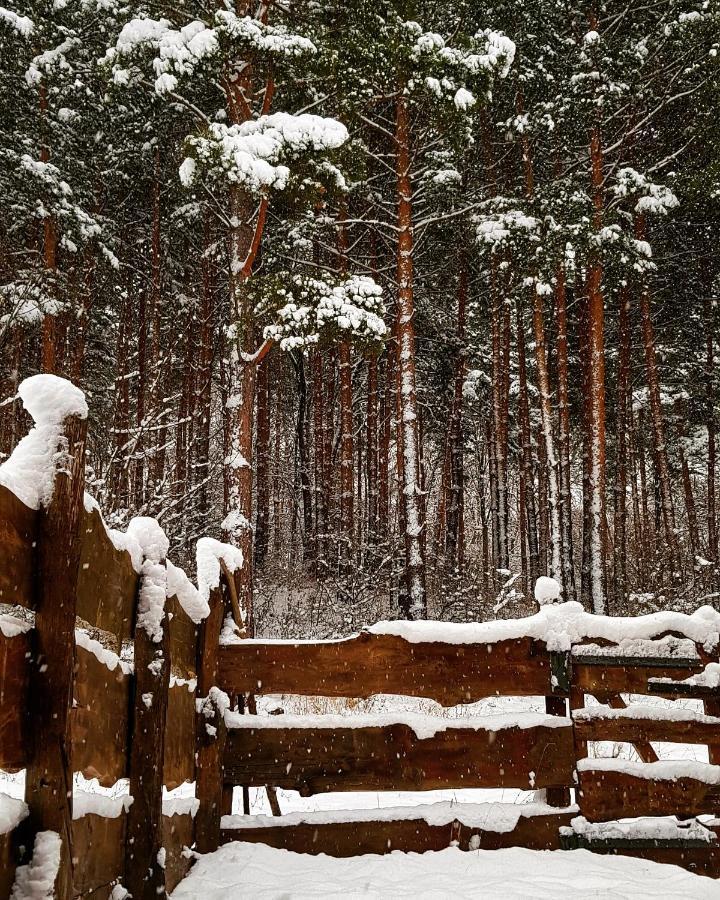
[99, 843]
[178, 833]
[210, 730]
[48, 786]
[99, 719]
[344, 839]
[314, 760]
[18, 524]
[14, 674]
[607, 795]
[183, 640]
[605, 680]
[700, 860]
[375, 664]
[107, 582]
[179, 763]
[7, 862]
[99, 846]
[631, 730]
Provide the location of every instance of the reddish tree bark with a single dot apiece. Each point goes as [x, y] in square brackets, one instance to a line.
[412, 500]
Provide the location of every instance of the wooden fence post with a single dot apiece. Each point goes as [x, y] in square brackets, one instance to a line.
[49, 784]
[210, 729]
[144, 865]
[557, 705]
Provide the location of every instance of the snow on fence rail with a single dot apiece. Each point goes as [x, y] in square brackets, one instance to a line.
[114, 665]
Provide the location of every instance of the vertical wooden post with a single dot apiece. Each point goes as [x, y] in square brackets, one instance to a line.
[210, 730]
[556, 705]
[144, 871]
[49, 784]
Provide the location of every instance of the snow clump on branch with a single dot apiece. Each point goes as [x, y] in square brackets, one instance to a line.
[253, 154]
[314, 309]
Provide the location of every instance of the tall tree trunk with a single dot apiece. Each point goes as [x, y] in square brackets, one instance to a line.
[414, 520]
[347, 428]
[596, 398]
[454, 539]
[387, 361]
[371, 449]
[621, 432]
[527, 474]
[564, 460]
[653, 381]
[712, 525]
[262, 474]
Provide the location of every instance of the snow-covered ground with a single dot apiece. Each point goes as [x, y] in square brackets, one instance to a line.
[256, 871]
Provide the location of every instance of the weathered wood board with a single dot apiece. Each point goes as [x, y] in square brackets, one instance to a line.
[179, 762]
[343, 839]
[17, 541]
[99, 719]
[14, 674]
[632, 730]
[392, 757]
[107, 582]
[603, 680]
[606, 795]
[385, 664]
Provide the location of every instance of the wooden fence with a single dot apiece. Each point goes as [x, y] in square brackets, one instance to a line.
[84, 688]
[70, 701]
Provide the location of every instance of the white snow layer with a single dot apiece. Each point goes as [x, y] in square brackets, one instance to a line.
[12, 812]
[547, 590]
[422, 725]
[209, 554]
[561, 625]
[663, 770]
[498, 817]
[29, 472]
[36, 880]
[261, 872]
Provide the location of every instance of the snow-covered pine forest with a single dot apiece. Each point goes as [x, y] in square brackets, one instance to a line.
[412, 302]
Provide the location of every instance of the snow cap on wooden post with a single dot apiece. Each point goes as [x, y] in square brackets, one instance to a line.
[30, 470]
[144, 870]
[547, 590]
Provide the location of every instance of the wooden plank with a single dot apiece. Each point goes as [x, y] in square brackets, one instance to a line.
[179, 763]
[178, 833]
[18, 529]
[14, 675]
[99, 720]
[183, 640]
[7, 863]
[699, 857]
[712, 708]
[374, 664]
[631, 730]
[344, 839]
[681, 689]
[107, 584]
[607, 795]
[49, 782]
[144, 876]
[99, 845]
[210, 730]
[606, 680]
[391, 757]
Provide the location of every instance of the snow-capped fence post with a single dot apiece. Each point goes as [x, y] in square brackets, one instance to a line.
[547, 591]
[144, 862]
[210, 726]
[49, 784]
